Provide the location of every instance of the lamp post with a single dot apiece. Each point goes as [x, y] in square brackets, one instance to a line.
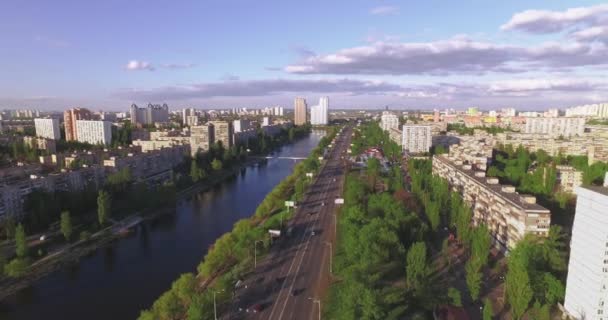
[316, 301]
[214, 305]
[255, 253]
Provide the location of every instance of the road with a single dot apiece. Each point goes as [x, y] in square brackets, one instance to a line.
[291, 280]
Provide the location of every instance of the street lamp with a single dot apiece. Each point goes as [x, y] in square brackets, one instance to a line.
[316, 301]
[214, 305]
[331, 255]
[255, 253]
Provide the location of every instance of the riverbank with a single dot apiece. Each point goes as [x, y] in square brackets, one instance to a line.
[72, 253]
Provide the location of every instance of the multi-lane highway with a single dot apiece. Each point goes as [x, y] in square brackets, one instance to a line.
[291, 280]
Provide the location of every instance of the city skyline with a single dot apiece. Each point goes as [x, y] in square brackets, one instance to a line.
[372, 54]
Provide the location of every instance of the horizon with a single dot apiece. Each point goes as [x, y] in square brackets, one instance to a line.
[530, 56]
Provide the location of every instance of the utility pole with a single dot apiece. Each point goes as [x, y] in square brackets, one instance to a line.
[331, 256]
[214, 304]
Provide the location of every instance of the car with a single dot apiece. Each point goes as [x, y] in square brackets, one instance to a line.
[312, 233]
[257, 307]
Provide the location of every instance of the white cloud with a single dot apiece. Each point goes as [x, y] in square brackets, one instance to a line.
[599, 33]
[134, 65]
[536, 85]
[546, 21]
[178, 65]
[384, 10]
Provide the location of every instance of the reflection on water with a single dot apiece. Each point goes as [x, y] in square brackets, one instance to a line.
[117, 281]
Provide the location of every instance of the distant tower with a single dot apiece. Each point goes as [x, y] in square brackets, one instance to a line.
[299, 106]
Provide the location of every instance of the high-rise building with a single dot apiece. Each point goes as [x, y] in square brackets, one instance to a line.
[556, 127]
[223, 131]
[416, 138]
[389, 121]
[265, 121]
[47, 128]
[201, 138]
[94, 131]
[151, 114]
[587, 283]
[299, 110]
[69, 121]
[241, 125]
[191, 120]
[599, 110]
[319, 113]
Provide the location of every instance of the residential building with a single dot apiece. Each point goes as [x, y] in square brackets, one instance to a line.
[201, 138]
[192, 120]
[40, 143]
[587, 283]
[299, 110]
[47, 128]
[69, 121]
[241, 125]
[416, 138]
[569, 178]
[94, 131]
[396, 135]
[151, 114]
[508, 215]
[597, 110]
[223, 131]
[389, 121]
[265, 121]
[556, 127]
[319, 113]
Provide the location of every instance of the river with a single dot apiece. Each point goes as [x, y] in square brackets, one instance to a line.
[117, 281]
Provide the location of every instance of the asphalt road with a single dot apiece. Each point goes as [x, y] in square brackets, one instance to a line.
[290, 281]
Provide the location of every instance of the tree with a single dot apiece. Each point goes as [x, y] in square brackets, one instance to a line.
[488, 311]
[417, 267]
[216, 165]
[299, 189]
[480, 245]
[518, 289]
[104, 202]
[16, 268]
[9, 227]
[20, 242]
[373, 170]
[473, 278]
[455, 298]
[66, 225]
[196, 173]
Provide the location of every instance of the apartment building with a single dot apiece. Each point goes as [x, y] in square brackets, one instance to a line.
[389, 121]
[508, 215]
[94, 132]
[319, 114]
[223, 131]
[416, 138]
[556, 126]
[241, 125]
[151, 114]
[50, 145]
[299, 111]
[396, 135]
[587, 283]
[568, 178]
[69, 121]
[47, 128]
[201, 138]
[596, 110]
[151, 145]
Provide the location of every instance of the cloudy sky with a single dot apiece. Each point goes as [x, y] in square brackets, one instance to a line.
[361, 53]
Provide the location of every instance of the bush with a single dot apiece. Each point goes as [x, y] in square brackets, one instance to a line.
[16, 268]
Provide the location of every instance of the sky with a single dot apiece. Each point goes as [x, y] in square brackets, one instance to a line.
[361, 53]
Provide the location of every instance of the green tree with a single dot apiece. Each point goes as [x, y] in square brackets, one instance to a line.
[9, 227]
[488, 311]
[16, 268]
[104, 202]
[21, 246]
[196, 173]
[66, 225]
[473, 278]
[373, 170]
[518, 288]
[417, 268]
[299, 189]
[454, 296]
[216, 165]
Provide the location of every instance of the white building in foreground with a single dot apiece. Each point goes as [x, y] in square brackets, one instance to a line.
[389, 121]
[47, 128]
[94, 132]
[319, 113]
[587, 284]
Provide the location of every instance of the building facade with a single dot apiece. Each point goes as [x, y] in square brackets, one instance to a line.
[223, 131]
[151, 114]
[299, 111]
[319, 114]
[201, 138]
[94, 132]
[47, 128]
[69, 121]
[587, 283]
[416, 138]
[556, 127]
[389, 121]
[241, 125]
[39, 143]
[596, 110]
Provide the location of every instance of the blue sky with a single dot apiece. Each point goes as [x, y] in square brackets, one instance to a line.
[405, 54]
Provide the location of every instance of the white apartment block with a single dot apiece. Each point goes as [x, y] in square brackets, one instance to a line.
[597, 110]
[389, 121]
[416, 138]
[587, 283]
[319, 113]
[94, 132]
[47, 128]
[569, 178]
[556, 127]
[241, 125]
